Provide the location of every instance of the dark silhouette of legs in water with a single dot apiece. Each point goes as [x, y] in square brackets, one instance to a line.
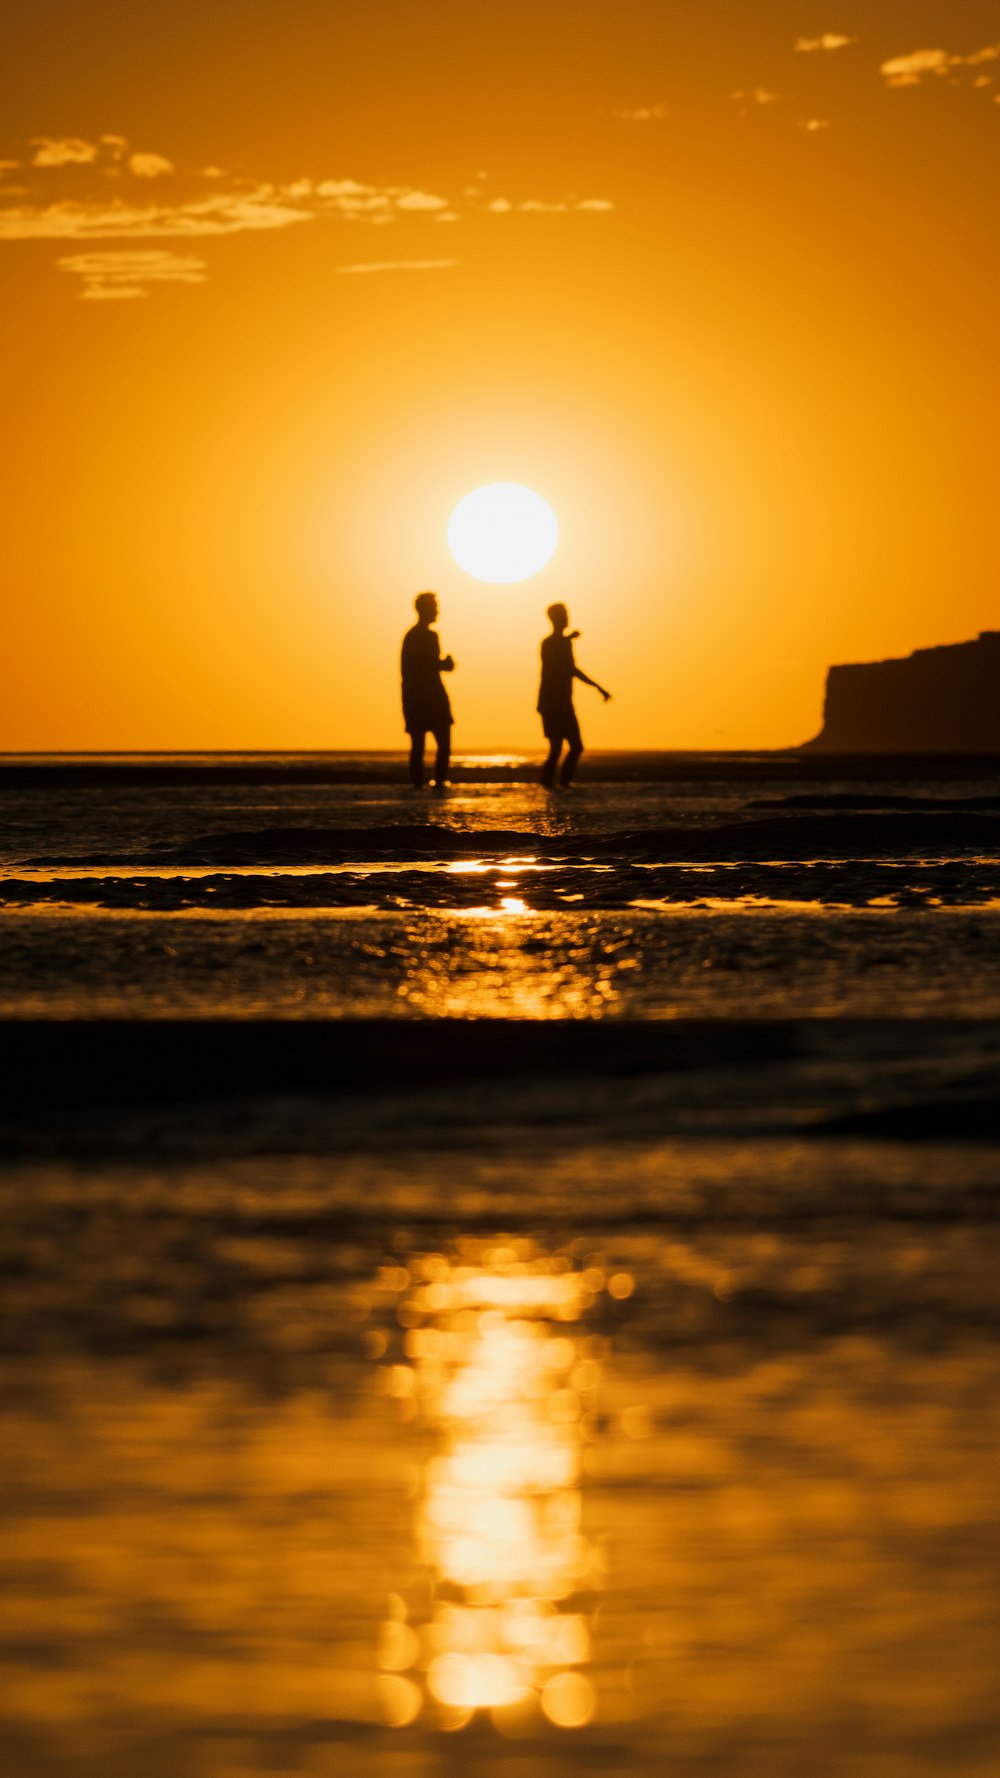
[442, 737]
[567, 732]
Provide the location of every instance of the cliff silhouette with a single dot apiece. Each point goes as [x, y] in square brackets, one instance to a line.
[935, 700]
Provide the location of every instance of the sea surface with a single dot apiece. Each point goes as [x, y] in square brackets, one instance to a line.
[501, 1282]
[682, 886]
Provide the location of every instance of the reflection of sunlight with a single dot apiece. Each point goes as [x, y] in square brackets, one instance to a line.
[500, 1375]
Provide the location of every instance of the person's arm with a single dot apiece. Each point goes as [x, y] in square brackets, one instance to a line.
[578, 673]
[445, 662]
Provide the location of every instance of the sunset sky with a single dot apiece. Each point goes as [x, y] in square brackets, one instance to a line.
[284, 279]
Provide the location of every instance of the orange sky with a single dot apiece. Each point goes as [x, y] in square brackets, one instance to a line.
[720, 285]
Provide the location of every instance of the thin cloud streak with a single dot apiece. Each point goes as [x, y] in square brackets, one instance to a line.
[122, 277]
[642, 114]
[757, 95]
[830, 40]
[546, 206]
[75, 220]
[400, 265]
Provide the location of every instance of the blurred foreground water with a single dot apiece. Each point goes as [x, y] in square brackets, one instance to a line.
[679, 1459]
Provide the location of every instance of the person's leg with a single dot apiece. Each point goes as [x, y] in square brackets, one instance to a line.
[572, 759]
[443, 738]
[549, 768]
[416, 758]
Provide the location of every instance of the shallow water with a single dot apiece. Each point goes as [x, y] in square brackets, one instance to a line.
[707, 894]
[612, 1388]
[751, 962]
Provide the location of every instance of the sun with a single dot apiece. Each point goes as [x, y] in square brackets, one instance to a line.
[503, 533]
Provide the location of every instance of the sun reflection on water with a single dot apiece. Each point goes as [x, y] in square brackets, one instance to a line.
[500, 1374]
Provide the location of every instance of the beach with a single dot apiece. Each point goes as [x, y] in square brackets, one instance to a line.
[500, 1282]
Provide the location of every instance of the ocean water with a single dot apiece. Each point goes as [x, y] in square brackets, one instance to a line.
[501, 1283]
[703, 887]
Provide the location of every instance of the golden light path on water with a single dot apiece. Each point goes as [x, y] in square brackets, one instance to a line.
[503, 1377]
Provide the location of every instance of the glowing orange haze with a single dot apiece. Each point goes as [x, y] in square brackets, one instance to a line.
[760, 389]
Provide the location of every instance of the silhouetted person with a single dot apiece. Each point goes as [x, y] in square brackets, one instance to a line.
[425, 701]
[555, 698]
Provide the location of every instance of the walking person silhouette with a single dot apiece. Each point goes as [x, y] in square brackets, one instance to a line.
[425, 701]
[555, 698]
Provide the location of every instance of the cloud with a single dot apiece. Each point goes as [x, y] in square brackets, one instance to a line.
[911, 70]
[757, 95]
[421, 200]
[150, 166]
[401, 265]
[547, 206]
[73, 220]
[91, 192]
[815, 124]
[126, 276]
[643, 114]
[63, 151]
[830, 40]
[374, 203]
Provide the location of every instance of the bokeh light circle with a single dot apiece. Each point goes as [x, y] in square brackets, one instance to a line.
[503, 533]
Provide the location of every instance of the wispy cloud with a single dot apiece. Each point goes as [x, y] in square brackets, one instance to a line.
[757, 95]
[815, 124]
[830, 40]
[150, 166]
[401, 265]
[546, 206]
[79, 220]
[642, 114]
[63, 151]
[126, 276]
[75, 190]
[916, 67]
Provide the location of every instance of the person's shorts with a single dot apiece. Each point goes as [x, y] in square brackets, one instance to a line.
[562, 727]
[422, 722]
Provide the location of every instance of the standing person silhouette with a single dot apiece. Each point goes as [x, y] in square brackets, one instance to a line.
[555, 698]
[425, 701]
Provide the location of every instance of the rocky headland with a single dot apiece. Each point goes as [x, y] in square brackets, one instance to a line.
[935, 700]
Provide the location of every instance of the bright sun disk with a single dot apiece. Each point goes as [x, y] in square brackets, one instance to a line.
[503, 533]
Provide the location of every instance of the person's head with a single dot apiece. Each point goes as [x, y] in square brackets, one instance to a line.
[558, 617]
[426, 607]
